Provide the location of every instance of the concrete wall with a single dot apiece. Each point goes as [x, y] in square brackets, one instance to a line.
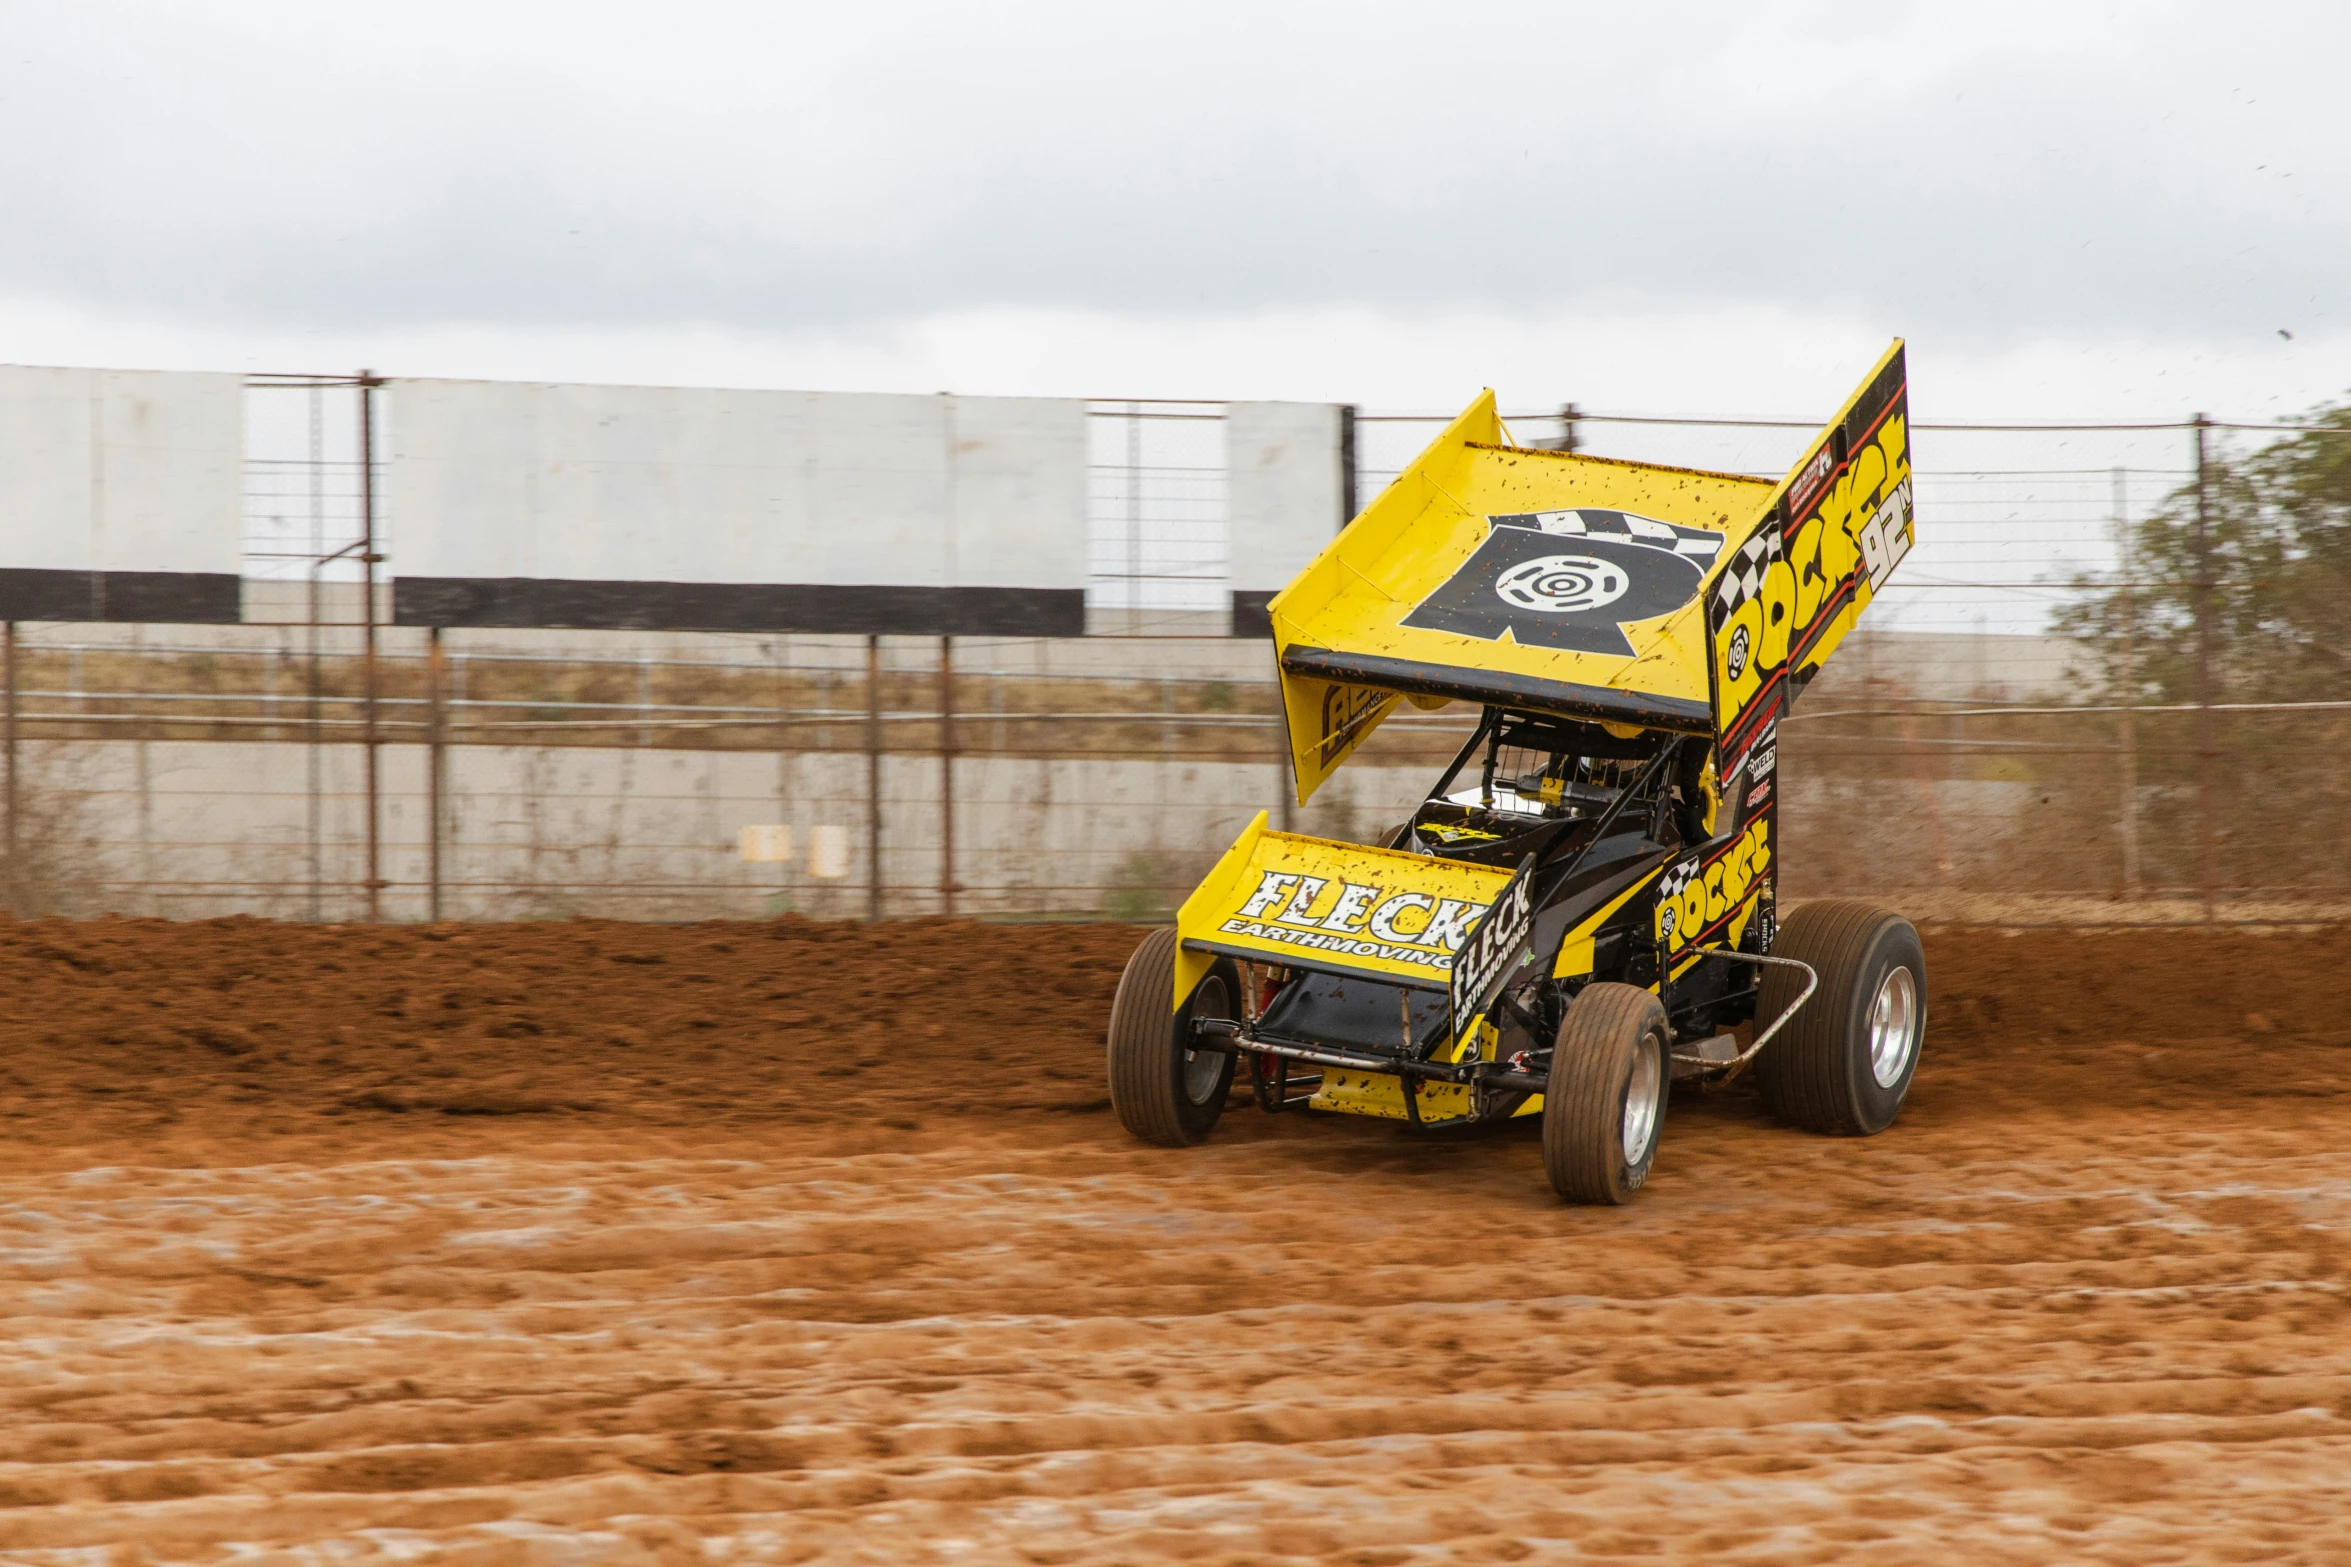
[191, 828]
[121, 494]
[1285, 489]
[659, 484]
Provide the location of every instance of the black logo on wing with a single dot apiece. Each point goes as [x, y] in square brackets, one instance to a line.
[1569, 579]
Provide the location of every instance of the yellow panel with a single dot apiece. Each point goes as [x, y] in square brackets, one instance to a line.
[1382, 1094]
[1290, 899]
[1575, 948]
[1192, 965]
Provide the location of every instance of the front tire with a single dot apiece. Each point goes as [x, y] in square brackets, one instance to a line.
[1843, 1065]
[1162, 1092]
[1606, 1104]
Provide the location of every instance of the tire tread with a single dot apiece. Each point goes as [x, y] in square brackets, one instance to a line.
[1142, 1023]
[1581, 1134]
[1803, 1073]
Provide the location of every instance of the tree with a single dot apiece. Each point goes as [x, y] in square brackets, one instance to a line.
[2277, 552]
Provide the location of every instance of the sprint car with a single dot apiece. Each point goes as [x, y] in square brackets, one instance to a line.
[1582, 911]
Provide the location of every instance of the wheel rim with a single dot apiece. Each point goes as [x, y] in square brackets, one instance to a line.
[1204, 1068]
[1893, 1027]
[1644, 1093]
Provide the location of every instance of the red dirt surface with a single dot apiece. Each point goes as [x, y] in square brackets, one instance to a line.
[609, 1243]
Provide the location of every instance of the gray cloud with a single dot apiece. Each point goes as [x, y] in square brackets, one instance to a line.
[2004, 173]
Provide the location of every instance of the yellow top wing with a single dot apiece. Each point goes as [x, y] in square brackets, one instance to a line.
[1492, 573]
[1579, 585]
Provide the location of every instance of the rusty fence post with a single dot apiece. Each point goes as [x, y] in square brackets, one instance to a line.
[368, 559]
[873, 777]
[2207, 841]
[947, 885]
[2127, 692]
[1349, 467]
[14, 892]
[436, 780]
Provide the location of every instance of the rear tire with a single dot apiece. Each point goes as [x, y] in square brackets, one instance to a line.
[1606, 1104]
[1843, 1065]
[1162, 1092]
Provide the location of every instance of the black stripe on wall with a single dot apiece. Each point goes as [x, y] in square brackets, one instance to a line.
[1250, 618]
[738, 606]
[182, 598]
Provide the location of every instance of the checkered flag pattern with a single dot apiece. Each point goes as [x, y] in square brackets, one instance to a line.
[1594, 522]
[1744, 579]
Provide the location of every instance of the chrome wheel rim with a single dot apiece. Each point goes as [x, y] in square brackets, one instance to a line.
[1893, 1027]
[1644, 1094]
[1202, 1068]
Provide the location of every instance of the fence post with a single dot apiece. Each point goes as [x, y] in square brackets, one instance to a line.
[873, 777]
[947, 775]
[1348, 468]
[315, 759]
[2207, 869]
[367, 620]
[1134, 565]
[436, 759]
[2126, 559]
[13, 891]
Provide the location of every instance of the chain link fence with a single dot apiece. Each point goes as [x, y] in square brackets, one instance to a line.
[2070, 705]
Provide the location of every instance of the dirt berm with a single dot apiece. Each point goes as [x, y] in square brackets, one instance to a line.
[598, 1242]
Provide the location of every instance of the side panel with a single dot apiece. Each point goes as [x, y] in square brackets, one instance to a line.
[1835, 530]
[1328, 720]
[1831, 536]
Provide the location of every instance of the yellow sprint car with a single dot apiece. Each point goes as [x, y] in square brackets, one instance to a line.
[1582, 910]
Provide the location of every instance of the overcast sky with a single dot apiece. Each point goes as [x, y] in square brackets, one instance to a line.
[2085, 209]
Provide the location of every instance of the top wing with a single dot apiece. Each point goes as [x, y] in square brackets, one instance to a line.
[1627, 593]
[1497, 574]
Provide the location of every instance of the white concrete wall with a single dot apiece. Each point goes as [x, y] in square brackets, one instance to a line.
[661, 484]
[121, 470]
[1284, 489]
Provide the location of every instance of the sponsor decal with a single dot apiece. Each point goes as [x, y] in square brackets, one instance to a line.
[1570, 579]
[1809, 478]
[1562, 584]
[1794, 586]
[1358, 920]
[1756, 795]
[1885, 538]
[1698, 897]
[1346, 711]
[1496, 948]
[1761, 755]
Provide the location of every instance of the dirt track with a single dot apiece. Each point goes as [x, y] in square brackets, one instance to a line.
[588, 1243]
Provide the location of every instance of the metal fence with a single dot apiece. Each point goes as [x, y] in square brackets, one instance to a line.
[1961, 753]
[516, 775]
